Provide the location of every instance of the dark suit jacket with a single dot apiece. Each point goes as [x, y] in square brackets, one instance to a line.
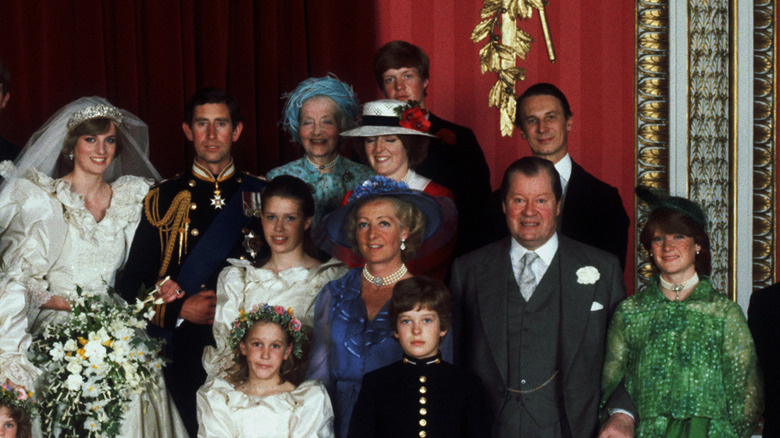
[592, 213]
[479, 290]
[457, 162]
[764, 322]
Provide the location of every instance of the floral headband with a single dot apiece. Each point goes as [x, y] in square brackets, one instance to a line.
[276, 314]
[10, 396]
[96, 112]
[377, 185]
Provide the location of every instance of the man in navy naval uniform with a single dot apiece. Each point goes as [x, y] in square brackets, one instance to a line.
[192, 224]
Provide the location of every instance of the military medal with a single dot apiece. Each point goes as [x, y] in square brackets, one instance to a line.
[202, 173]
[217, 200]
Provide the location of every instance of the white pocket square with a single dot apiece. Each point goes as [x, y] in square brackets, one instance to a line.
[596, 306]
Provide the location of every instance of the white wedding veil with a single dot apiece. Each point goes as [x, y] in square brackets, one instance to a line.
[45, 146]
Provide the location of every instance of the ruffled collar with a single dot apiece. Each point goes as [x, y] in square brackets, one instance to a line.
[124, 209]
[292, 275]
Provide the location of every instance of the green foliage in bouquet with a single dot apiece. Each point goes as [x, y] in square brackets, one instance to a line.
[93, 363]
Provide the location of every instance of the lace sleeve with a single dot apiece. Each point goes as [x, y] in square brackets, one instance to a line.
[319, 364]
[741, 375]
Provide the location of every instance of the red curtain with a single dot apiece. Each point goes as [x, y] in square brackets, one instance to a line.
[150, 56]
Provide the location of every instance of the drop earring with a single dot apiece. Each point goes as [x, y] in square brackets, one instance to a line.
[403, 244]
[71, 155]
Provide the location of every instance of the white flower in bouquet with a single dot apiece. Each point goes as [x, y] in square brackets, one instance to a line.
[57, 351]
[71, 345]
[74, 382]
[93, 363]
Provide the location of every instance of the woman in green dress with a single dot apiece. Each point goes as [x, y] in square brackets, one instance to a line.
[683, 350]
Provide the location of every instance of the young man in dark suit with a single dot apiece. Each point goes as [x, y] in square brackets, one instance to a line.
[455, 159]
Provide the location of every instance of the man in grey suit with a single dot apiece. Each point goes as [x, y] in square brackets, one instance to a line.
[531, 314]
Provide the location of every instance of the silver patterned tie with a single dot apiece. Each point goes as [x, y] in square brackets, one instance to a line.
[527, 277]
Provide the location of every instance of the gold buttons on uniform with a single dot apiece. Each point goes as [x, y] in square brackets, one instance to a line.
[423, 411]
[194, 232]
[423, 422]
[423, 400]
[191, 183]
[423, 390]
[193, 206]
[423, 379]
[239, 180]
[423, 434]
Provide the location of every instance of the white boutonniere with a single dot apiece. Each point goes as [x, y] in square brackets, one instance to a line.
[588, 275]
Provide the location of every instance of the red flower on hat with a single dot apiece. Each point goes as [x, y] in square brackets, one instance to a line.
[414, 118]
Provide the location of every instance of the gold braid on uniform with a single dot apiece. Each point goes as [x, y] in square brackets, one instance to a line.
[175, 223]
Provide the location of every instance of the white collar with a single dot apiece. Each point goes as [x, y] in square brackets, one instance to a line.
[545, 252]
[563, 166]
[415, 181]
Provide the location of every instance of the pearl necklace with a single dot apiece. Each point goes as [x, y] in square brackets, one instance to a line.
[322, 166]
[679, 287]
[390, 279]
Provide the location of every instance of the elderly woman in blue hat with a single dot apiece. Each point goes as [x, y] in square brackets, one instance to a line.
[314, 115]
[386, 223]
[682, 349]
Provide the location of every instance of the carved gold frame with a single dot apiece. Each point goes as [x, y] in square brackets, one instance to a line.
[652, 131]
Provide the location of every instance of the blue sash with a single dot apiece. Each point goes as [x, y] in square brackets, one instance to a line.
[219, 239]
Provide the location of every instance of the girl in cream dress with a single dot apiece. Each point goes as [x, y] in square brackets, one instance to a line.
[292, 276]
[256, 400]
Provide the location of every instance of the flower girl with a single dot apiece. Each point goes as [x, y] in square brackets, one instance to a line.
[256, 400]
[15, 410]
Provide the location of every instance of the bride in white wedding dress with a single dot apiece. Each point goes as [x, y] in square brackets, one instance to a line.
[59, 233]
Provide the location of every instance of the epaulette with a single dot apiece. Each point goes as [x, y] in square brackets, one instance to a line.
[177, 176]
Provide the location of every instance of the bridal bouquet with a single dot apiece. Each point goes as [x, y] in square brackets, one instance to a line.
[93, 363]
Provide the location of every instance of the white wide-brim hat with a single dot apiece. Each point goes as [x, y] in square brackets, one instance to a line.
[391, 117]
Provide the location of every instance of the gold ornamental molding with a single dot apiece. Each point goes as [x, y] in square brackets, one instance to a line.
[711, 126]
[764, 145]
[652, 118]
[708, 126]
[506, 44]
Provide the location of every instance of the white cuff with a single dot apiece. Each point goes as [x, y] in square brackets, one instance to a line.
[621, 411]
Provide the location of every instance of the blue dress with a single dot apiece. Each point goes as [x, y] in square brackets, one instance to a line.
[328, 188]
[347, 344]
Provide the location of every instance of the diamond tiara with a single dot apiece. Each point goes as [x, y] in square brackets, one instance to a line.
[95, 112]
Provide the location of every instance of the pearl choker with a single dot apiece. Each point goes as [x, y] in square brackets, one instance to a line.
[679, 287]
[322, 166]
[390, 279]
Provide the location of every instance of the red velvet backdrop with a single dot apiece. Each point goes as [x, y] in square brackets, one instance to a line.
[150, 56]
[594, 44]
